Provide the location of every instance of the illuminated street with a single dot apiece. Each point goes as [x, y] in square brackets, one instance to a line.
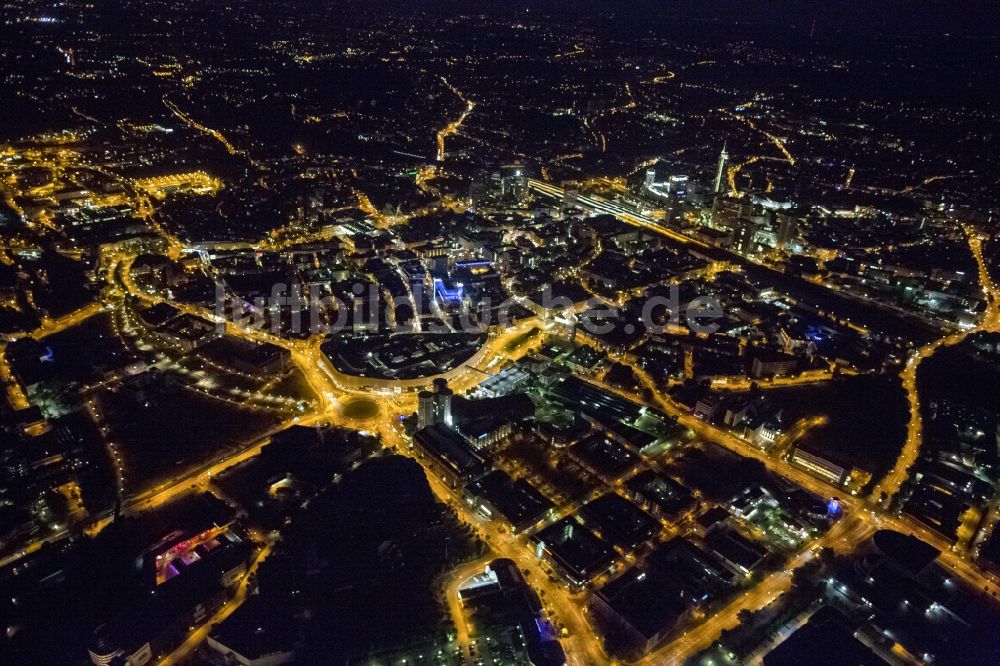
[498, 333]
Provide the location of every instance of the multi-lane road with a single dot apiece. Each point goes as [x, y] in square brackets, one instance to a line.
[568, 609]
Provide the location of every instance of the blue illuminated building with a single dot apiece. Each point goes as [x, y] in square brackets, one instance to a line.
[449, 292]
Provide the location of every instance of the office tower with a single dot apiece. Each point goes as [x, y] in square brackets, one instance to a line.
[425, 409]
[570, 198]
[744, 235]
[513, 182]
[442, 402]
[787, 228]
[478, 190]
[434, 406]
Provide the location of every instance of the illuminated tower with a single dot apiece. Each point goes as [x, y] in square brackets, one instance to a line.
[425, 409]
[434, 407]
[720, 170]
[442, 402]
[744, 235]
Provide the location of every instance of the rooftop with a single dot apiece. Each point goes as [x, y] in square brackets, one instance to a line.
[575, 548]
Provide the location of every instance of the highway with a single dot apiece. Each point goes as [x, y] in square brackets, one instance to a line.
[591, 122]
[578, 49]
[197, 479]
[15, 393]
[602, 205]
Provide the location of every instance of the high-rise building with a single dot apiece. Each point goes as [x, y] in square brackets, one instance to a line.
[787, 228]
[720, 170]
[650, 178]
[434, 407]
[677, 186]
[744, 235]
[478, 190]
[425, 409]
[443, 402]
[570, 198]
[513, 182]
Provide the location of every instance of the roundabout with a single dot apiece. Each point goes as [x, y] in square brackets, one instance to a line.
[360, 409]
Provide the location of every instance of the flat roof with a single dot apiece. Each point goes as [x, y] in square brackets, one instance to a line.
[648, 601]
[661, 490]
[907, 551]
[712, 516]
[257, 628]
[700, 573]
[605, 455]
[518, 501]
[737, 549]
[450, 448]
[827, 639]
[575, 548]
[574, 393]
[619, 520]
